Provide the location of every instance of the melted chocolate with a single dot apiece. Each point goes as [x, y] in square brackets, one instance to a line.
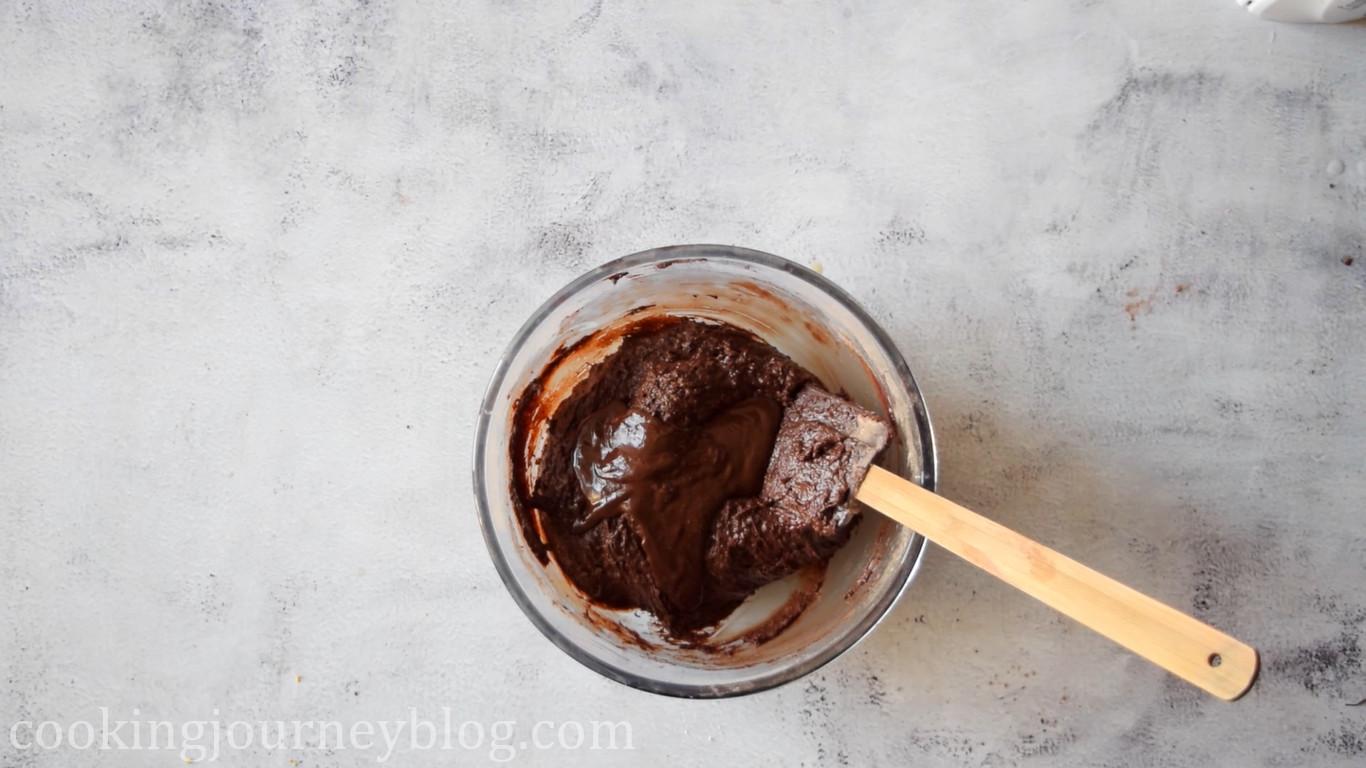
[671, 481]
[667, 483]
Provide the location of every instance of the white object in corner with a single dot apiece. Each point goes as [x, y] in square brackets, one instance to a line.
[1312, 11]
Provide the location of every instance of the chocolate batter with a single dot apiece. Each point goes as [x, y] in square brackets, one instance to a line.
[693, 465]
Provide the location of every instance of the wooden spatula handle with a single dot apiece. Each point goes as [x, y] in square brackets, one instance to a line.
[1181, 644]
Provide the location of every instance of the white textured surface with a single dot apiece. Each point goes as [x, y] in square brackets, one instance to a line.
[256, 264]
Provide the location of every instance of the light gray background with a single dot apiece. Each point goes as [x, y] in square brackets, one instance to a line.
[257, 262]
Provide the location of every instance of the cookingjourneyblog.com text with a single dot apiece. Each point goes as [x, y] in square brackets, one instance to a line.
[206, 740]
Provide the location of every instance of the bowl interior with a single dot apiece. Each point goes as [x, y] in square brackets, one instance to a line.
[805, 317]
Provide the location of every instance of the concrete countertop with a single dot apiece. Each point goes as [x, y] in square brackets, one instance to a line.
[257, 261]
